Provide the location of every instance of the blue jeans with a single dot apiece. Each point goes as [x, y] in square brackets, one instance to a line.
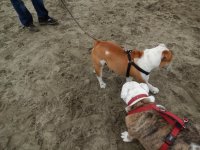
[25, 16]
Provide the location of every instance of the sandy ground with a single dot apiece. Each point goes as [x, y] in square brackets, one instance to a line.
[49, 97]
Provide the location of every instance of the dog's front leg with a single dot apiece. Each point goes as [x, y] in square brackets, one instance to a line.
[153, 89]
[126, 137]
[98, 66]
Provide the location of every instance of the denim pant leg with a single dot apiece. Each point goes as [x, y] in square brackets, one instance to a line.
[24, 15]
[40, 9]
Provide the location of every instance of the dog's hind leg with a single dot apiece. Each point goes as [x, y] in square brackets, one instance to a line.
[98, 68]
[153, 89]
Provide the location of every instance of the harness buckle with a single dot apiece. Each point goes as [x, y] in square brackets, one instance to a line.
[186, 122]
[184, 125]
[170, 139]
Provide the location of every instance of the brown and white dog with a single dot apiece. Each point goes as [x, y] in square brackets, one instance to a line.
[148, 126]
[116, 59]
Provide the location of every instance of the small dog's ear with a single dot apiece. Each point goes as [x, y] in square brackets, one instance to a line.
[166, 56]
[136, 53]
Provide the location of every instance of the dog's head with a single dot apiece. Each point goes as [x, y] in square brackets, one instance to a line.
[159, 56]
[136, 94]
[166, 59]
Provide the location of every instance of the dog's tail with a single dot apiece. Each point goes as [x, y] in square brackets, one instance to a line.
[96, 42]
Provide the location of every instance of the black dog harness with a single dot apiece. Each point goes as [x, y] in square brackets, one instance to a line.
[131, 63]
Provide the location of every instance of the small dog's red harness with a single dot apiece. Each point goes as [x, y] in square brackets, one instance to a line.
[177, 123]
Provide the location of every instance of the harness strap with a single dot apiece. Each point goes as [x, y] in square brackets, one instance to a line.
[130, 62]
[177, 123]
[170, 138]
[137, 97]
[141, 108]
[167, 115]
[138, 68]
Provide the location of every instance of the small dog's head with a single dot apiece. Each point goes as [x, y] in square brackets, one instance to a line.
[136, 94]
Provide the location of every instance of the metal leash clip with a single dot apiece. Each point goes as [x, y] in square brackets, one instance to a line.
[170, 139]
[186, 122]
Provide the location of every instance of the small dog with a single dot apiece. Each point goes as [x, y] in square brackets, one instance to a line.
[117, 60]
[148, 126]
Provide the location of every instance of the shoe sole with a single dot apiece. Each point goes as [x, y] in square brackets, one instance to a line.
[56, 23]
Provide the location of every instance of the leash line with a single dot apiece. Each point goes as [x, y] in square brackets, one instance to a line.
[66, 8]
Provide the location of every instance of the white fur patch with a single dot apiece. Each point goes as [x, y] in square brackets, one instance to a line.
[101, 83]
[107, 52]
[102, 62]
[163, 45]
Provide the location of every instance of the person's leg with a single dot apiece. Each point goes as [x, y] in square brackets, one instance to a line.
[42, 13]
[23, 13]
[40, 9]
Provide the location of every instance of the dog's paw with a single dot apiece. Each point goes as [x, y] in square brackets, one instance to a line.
[154, 90]
[151, 99]
[102, 85]
[125, 137]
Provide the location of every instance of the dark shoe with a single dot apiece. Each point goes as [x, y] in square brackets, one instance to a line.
[49, 21]
[32, 28]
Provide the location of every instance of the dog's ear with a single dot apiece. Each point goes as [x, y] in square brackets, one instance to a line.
[136, 53]
[166, 56]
